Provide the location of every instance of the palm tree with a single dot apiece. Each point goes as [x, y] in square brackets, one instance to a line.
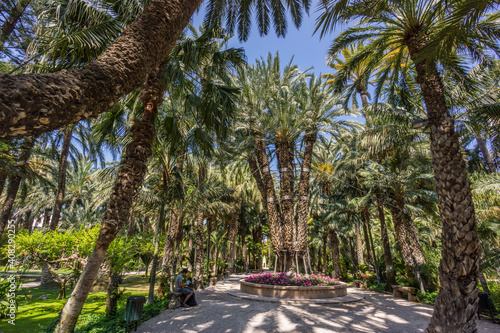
[15, 182]
[130, 176]
[124, 65]
[413, 27]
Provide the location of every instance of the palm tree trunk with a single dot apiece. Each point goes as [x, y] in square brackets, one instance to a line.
[128, 181]
[3, 180]
[209, 245]
[272, 204]
[302, 206]
[369, 241]
[359, 244]
[156, 244]
[14, 184]
[456, 304]
[390, 278]
[365, 235]
[9, 24]
[486, 154]
[131, 225]
[285, 164]
[198, 272]
[233, 232]
[324, 267]
[113, 295]
[61, 180]
[335, 252]
[245, 252]
[174, 228]
[413, 239]
[76, 94]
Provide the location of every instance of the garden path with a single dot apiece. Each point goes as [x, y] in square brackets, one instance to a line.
[219, 312]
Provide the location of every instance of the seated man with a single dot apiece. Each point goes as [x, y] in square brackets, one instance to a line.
[180, 287]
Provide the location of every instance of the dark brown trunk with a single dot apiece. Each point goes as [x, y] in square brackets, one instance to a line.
[198, 271]
[302, 206]
[174, 233]
[156, 244]
[14, 183]
[113, 294]
[456, 304]
[245, 253]
[486, 154]
[233, 232]
[390, 278]
[359, 244]
[9, 24]
[366, 217]
[272, 204]
[61, 180]
[209, 244]
[131, 225]
[58, 99]
[130, 176]
[3, 180]
[335, 252]
[285, 164]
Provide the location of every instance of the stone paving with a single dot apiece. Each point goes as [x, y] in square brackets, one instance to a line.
[219, 312]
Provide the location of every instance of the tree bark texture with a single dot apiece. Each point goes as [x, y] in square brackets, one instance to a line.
[3, 180]
[389, 269]
[285, 164]
[37, 103]
[61, 180]
[130, 176]
[113, 294]
[359, 244]
[302, 206]
[456, 304]
[174, 228]
[14, 183]
[198, 261]
[233, 232]
[272, 204]
[486, 154]
[335, 252]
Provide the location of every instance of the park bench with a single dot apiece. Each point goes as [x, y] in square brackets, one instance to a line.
[175, 299]
[360, 284]
[412, 292]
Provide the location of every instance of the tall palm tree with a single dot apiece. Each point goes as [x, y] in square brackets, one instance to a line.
[124, 65]
[413, 28]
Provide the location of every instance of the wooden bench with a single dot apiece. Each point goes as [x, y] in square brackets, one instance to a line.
[360, 284]
[412, 292]
[175, 299]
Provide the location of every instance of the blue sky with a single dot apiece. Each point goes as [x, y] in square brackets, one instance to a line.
[307, 49]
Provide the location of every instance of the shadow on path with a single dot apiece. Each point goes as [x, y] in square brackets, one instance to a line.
[218, 312]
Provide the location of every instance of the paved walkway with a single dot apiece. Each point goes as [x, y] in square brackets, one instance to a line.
[219, 312]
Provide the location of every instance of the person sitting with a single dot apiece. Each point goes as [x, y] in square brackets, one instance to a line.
[180, 287]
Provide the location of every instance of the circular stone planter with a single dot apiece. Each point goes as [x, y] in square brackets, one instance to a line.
[293, 292]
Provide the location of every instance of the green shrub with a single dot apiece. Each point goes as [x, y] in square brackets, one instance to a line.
[428, 297]
[100, 323]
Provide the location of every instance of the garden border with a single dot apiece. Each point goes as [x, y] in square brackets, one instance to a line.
[294, 292]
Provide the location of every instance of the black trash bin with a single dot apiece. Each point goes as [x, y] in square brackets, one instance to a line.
[133, 310]
[485, 304]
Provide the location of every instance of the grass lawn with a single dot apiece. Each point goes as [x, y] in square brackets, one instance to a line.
[33, 316]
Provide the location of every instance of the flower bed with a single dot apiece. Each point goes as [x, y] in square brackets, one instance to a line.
[280, 285]
[282, 279]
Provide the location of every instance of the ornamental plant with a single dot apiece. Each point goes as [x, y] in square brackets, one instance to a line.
[282, 279]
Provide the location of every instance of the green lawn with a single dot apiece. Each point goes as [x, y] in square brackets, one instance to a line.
[33, 315]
